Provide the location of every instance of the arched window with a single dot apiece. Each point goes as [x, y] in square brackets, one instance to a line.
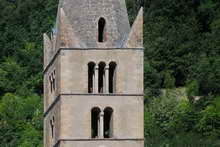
[112, 77]
[101, 30]
[101, 77]
[95, 122]
[91, 76]
[108, 122]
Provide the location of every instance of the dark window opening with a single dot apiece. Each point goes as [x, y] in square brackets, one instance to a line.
[95, 122]
[112, 77]
[54, 82]
[91, 74]
[52, 79]
[52, 127]
[101, 30]
[101, 77]
[108, 122]
[51, 83]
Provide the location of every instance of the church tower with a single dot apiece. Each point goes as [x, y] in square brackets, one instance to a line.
[93, 76]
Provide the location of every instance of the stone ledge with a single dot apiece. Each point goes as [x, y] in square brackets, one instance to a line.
[68, 49]
[104, 139]
[103, 94]
[86, 94]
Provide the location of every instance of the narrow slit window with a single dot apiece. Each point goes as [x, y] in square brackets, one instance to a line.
[95, 122]
[54, 80]
[51, 84]
[52, 127]
[101, 30]
[112, 77]
[91, 76]
[108, 122]
[101, 78]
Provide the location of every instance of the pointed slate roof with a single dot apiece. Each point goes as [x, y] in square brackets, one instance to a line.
[83, 16]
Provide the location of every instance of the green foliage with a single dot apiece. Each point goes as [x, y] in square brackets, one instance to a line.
[152, 81]
[20, 117]
[209, 123]
[192, 89]
[12, 75]
[178, 34]
[21, 26]
[169, 81]
[169, 122]
[31, 137]
[207, 73]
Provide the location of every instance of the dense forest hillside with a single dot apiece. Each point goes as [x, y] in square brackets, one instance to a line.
[182, 51]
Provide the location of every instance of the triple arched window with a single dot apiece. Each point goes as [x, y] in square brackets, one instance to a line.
[102, 123]
[102, 77]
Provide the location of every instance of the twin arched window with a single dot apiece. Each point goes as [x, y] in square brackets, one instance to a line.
[102, 78]
[102, 123]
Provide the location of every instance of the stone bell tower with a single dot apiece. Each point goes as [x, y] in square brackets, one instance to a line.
[93, 76]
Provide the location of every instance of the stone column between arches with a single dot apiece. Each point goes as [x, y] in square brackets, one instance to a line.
[96, 86]
[101, 129]
[107, 79]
